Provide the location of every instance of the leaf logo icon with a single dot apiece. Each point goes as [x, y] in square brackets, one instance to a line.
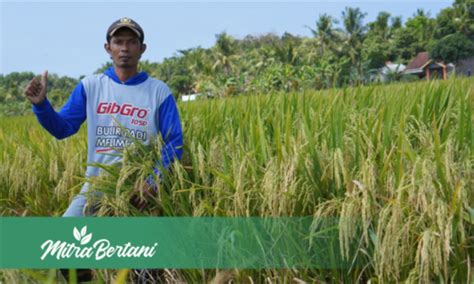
[86, 239]
[83, 231]
[82, 236]
[76, 234]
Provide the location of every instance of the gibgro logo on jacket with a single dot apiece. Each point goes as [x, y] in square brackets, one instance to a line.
[83, 247]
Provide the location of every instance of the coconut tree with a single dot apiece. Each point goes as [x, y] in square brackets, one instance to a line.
[224, 53]
[325, 33]
[354, 28]
[378, 45]
[355, 31]
[380, 26]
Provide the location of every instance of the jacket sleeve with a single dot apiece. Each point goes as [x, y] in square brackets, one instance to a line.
[171, 132]
[70, 117]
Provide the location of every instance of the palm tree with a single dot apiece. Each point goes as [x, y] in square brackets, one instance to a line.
[224, 54]
[353, 26]
[381, 26]
[197, 60]
[355, 32]
[325, 33]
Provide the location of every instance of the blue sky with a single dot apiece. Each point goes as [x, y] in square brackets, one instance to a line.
[67, 38]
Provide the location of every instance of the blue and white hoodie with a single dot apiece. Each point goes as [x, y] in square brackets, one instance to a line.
[143, 105]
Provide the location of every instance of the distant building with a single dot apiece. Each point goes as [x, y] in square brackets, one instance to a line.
[391, 71]
[465, 67]
[425, 67]
[188, 98]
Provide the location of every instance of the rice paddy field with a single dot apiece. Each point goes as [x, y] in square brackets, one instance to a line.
[395, 161]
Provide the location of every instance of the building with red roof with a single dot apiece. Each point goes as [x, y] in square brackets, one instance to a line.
[425, 67]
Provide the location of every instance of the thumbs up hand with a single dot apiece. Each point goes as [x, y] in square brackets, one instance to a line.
[36, 89]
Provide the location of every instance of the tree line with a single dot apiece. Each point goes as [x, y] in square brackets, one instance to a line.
[341, 51]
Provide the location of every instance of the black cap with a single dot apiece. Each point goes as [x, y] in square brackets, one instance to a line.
[125, 23]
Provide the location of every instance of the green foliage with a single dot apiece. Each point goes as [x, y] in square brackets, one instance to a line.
[445, 25]
[379, 45]
[332, 57]
[326, 35]
[13, 84]
[415, 36]
[394, 161]
[452, 48]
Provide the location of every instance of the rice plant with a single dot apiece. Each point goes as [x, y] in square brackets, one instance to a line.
[394, 163]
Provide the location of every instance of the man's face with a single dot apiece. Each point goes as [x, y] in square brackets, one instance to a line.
[125, 48]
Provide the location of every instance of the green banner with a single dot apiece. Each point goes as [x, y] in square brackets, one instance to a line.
[170, 242]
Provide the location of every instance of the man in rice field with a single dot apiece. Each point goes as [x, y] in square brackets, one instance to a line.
[117, 101]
